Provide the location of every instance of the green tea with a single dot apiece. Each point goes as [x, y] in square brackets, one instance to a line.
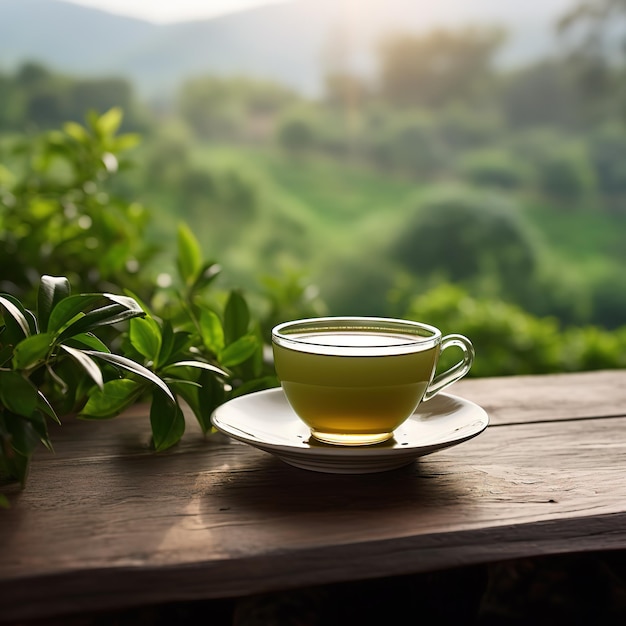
[348, 385]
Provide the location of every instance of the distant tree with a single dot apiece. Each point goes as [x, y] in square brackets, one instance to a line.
[595, 36]
[205, 104]
[166, 160]
[44, 107]
[297, 133]
[38, 97]
[100, 95]
[462, 127]
[31, 74]
[542, 94]
[607, 150]
[227, 107]
[464, 236]
[407, 143]
[43, 95]
[494, 168]
[510, 341]
[437, 68]
[565, 173]
[59, 214]
[10, 103]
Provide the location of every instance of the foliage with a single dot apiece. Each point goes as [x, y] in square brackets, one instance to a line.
[297, 132]
[49, 360]
[37, 97]
[222, 107]
[193, 337]
[509, 341]
[594, 34]
[184, 345]
[543, 94]
[290, 297]
[494, 168]
[607, 152]
[436, 68]
[462, 127]
[460, 235]
[58, 211]
[409, 144]
[566, 174]
[192, 357]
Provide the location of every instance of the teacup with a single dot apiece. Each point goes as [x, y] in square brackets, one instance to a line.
[354, 380]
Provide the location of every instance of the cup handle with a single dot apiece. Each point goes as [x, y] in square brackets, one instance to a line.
[456, 371]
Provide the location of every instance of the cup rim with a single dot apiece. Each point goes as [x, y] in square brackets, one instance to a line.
[388, 324]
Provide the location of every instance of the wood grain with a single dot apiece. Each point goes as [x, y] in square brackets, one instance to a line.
[579, 395]
[106, 523]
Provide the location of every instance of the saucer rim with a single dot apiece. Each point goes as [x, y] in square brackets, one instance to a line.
[360, 453]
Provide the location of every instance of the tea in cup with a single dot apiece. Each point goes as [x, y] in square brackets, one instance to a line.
[354, 380]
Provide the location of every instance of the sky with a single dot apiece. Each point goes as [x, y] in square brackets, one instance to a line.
[164, 11]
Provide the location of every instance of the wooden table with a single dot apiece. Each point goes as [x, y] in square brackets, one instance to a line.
[105, 523]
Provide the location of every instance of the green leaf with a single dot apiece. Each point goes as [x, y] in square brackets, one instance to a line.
[46, 408]
[207, 274]
[115, 396]
[32, 351]
[257, 384]
[188, 391]
[24, 437]
[189, 258]
[138, 301]
[32, 321]
[52, 289]
[167, 421]
[6, 354]
[210, 395]
[126, 301]
[38, 421]
[17, 393]
[86, 340]
[167, 344]
[134, 367]
[198, 365]
[212, 333]
[236, 317]
[12, 463]
[76, 131]
[174, 345]
[126, 141]
[68, 308]
[87, 363]
[108, 123]
[16, 312]
[239, 351]
[104, 316]
[121, 309]
[145, 337]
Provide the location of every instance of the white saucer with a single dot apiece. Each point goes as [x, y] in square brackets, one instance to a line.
[266, 421]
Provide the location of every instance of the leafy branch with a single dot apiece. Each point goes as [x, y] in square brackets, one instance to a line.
[48, 363]
[54, 363]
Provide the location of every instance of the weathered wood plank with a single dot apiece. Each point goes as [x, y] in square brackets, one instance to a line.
[104, 522]
[551, 397]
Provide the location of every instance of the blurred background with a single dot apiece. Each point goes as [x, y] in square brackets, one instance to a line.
[459, 162]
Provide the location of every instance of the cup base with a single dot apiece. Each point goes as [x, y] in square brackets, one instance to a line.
[342, 439]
